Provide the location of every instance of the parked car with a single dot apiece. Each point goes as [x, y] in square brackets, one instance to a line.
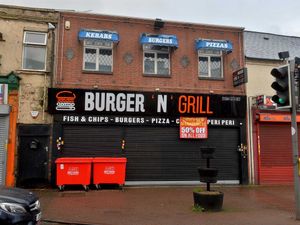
[19, 206]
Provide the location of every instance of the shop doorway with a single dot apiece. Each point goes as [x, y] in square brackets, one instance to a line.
[33, 155]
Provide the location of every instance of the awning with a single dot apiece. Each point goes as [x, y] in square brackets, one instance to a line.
[159, 39]
[98, 35]
[222, 45]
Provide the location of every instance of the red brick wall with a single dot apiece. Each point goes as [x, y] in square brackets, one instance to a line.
[130, 76]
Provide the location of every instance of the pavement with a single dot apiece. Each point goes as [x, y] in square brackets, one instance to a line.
[167, 205]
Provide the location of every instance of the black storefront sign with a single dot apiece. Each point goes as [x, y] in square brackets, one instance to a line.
[144, 104]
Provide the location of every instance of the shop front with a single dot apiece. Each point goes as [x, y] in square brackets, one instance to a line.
[146, 128]
[274, 147]
[9, 85]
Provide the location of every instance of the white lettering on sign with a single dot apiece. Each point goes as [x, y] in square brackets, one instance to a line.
[162, 103]
[134, 120]
[73, 171]
[70, 118]
[220, 122]
[216, 45]
[109, 170]
[111, 102]
[160, 40]
[160, 121]
[97, 119]
[98, 35]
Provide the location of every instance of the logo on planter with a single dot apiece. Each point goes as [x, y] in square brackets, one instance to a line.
[65, 101]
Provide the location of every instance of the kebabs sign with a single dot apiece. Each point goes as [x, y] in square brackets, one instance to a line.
[96, 102]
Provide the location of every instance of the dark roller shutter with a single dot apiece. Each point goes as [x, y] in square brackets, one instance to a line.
[276, 165]
[91, 141]
[156, 153]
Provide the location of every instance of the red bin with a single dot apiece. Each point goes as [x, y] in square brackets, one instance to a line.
[107, 170]
[73, 171]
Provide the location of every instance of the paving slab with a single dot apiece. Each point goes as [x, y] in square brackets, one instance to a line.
[167, 205]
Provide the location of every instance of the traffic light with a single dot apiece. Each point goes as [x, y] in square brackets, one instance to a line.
[282, 86]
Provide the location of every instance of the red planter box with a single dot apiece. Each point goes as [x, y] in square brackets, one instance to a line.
[73, 171]
[108, 170]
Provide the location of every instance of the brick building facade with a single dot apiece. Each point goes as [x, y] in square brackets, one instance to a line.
[122, 85]
[128, 56]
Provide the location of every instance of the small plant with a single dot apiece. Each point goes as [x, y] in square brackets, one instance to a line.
[198, 208]
[198, 189]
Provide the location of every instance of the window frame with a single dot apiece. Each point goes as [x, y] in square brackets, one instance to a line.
[151, 49]
[100, 45]
[34, 45]
[209, 54]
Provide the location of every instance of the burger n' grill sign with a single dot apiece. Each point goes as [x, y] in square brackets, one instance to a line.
[95, 102]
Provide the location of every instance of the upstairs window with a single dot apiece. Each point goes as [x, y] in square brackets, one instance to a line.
[210, 64]
[34, 51]
[98, 56]
[156, 60]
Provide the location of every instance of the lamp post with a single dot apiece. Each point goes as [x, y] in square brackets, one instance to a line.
[294, 132]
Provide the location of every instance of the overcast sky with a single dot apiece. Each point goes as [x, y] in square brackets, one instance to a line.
[270, 16]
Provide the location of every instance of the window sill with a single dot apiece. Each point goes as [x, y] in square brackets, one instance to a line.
[211, 78]
[157, 75]
[38, 72]
[97, 72]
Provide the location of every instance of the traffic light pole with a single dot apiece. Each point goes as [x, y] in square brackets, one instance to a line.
[294, 132]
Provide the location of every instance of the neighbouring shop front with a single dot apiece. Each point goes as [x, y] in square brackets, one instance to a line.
[144, 127]
[9, 85]
[274, 147]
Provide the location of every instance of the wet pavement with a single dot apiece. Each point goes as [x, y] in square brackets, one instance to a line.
[243, 205]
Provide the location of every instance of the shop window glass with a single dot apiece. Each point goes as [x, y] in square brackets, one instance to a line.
[149, 63]
[210, 64]
[156, 60]
[34, 51]
[98, 56]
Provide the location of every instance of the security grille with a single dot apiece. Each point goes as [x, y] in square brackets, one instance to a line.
[4, 122]
[105, 60]
[210, 64]
[98, 56]
[156, 63]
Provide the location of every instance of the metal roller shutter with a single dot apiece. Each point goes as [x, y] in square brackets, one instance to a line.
[92, 141]
[156, 153]
[4, 123]
[276, 165]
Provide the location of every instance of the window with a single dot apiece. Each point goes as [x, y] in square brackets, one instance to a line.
[98, 56]
[156, 60]
[34, 51]
[210, 64]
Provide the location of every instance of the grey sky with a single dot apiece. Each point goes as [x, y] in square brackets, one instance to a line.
[271, 16]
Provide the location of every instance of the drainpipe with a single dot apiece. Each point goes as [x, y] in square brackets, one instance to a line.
[51, 29]
[250, 140]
